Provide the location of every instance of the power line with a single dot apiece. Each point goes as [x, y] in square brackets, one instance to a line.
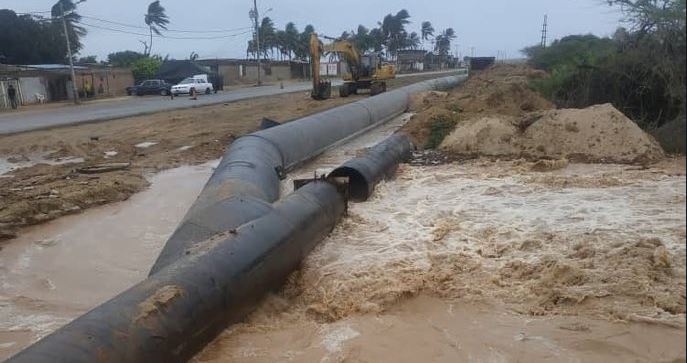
[169, 30]
[164, 36]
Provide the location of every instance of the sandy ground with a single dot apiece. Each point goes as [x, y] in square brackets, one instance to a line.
[488, 261]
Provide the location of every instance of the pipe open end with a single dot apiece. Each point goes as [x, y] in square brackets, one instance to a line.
[358, 185]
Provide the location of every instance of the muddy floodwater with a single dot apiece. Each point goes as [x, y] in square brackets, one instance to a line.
[52, 273]
[488, 261]
[477, 261]
[55, 272]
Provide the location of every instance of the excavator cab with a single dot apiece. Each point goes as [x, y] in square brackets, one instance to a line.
[366, 71]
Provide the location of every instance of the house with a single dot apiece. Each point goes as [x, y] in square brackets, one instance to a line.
[243, 71]
[52, 82]
[410, 60]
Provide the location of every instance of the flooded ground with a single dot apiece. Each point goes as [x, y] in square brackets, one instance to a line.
[476, 261]
[55, 272]
[488, 262]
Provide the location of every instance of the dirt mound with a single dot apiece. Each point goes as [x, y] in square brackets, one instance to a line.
[500, 90]
[594, 134]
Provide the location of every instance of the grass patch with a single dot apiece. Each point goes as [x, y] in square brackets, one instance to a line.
[440, 127]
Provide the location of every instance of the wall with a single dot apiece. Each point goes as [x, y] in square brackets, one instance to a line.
[105, 81]
[268, 73]
[30, 87]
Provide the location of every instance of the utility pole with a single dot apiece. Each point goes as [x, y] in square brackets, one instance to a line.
[75, 94]
[543, 32]
[257, 38]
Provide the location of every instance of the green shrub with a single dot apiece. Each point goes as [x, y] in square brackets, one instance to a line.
[440, 127]
[145, 68]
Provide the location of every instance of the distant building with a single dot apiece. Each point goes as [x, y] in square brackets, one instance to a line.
[479, 63]
[242, 71]
[51, 82]
[410, 60]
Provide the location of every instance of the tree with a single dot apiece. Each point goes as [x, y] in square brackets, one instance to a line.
[90, 59]
[393, 27]
[124, 58]
[267, 36]
[67, 8]
[427, 30]
[442, 46]
[23, 40]
[156, 19]
[145, 68]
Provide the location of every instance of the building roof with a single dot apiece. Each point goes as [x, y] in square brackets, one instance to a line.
[50, 67]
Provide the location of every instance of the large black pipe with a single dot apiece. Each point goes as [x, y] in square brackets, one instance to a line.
[172, 315]
[247, 179]
[379, 162]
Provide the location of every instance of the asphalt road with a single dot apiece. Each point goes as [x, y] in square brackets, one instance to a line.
[14, 122]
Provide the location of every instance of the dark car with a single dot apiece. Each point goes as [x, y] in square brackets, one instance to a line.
[150, 87]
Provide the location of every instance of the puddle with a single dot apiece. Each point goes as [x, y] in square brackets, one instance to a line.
[146, 144]
[15, 162]
[52, 273]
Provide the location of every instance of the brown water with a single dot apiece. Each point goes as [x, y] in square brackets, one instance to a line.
[55, 272]
[487, 262]
[52, 273]
[478, 262]
[427, 329]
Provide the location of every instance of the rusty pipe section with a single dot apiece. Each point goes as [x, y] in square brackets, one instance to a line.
[172, 314]
[379, 162]
[247, 179]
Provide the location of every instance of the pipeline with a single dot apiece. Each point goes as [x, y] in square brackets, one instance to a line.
[379, 162]
[247, 179]
[172, 315]
[231, 248]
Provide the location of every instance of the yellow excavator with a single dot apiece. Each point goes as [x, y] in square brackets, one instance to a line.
[366, 71]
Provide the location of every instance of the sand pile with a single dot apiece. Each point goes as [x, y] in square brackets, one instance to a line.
[595, 134]
[500, 90]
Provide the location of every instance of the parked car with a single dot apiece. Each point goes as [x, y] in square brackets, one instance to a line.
[150, 87]
[199, 83]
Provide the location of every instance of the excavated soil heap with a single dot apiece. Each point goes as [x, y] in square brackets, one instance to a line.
[500, 90]
[598, 133]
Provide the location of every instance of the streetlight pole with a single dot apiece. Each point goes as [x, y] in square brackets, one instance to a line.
[257, 38]
[75, 94]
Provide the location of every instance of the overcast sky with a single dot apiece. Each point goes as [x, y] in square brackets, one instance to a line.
[490, 26]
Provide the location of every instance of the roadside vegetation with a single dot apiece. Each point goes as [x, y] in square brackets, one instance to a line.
[640, 70]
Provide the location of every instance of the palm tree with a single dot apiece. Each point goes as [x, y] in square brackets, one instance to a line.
[267, 36]
[75, 32]
[156, 19]
[291, 38]
[393, 26]
[427, 30]
[412, 41]
[443, 41]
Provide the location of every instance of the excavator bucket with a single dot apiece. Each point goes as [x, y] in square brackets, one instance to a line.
[322, 91]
